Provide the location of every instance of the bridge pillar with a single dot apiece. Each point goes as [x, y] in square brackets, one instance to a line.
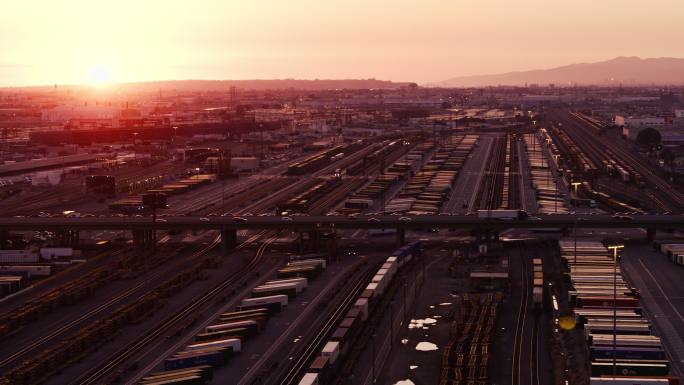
[401, 237]
[228, 240]
[69, 238]
[4, 235]
[650, 234]
[315, 239]
[143, 239]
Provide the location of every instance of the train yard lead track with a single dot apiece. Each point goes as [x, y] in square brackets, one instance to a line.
[517, 362]
[315, 345]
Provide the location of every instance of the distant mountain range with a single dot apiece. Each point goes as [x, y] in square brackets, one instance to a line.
[256, 84]
[627, 71]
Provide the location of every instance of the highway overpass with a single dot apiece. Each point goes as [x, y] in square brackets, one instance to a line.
[143, 228]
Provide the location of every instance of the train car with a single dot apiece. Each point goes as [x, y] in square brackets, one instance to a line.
[234, 344]
[31, 271]
[304, 283]
[213, 358]
[252, 326]
[629, 380]
[538, 297]
[624, 340]
[332, 351]
[627, 368]
[206, 372]
[273, 303]
[321, 366]
[291, 289]
[256, 312]
[620, 328]
[309, 379]
[260, 318]
[179, 379]
[606, 302]
[241, 333]
[309, 271]
[583, 314]
[310, 261]
[631, 353]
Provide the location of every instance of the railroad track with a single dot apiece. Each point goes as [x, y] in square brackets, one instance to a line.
[320, 337]
[108, 305]
[489, 195]
[517, 362]
[625, 156]
[95, 375]
[534, 361]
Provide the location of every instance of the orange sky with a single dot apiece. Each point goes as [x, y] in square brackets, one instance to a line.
[46, 42]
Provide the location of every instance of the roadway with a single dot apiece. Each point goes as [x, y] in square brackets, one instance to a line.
[659, 282]
[305, 222]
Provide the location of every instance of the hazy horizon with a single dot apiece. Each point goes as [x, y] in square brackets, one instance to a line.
[82, 42]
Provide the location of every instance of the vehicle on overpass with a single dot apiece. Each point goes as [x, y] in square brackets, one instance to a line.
[502, 214]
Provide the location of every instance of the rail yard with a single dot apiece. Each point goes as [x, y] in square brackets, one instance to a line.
[447, 249]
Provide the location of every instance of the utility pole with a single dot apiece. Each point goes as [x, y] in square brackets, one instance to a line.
[615, 249]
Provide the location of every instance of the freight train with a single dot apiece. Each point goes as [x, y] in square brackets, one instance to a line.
[326, 364]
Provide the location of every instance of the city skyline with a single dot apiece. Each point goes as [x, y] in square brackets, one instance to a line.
[82, 43]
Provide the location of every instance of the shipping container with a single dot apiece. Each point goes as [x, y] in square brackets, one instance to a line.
[210, 358]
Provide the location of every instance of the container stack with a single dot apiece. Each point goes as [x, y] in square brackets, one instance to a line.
[227, 334]
[604, 304]
[549, 198]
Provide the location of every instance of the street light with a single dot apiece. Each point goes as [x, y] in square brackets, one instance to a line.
[575, 186]
[615, 249]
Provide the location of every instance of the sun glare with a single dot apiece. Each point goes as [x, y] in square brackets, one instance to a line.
[100, 75]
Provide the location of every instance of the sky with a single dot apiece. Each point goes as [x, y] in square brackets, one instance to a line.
[89, 41]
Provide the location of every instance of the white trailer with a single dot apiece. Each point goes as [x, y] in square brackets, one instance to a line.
[34, 271]
[304, 262]
[628, 381]
[302, 281]
[292, 288]
[232, 325]
[56, 252]
[309, 379]
[362, 304]
[18, 256]
[331, 350]
[281, 299]
[233, 343]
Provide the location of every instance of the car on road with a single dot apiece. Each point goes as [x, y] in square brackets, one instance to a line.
[161, 220]
[239, 219]
[205, 219]
[286, 218]
[404, 219]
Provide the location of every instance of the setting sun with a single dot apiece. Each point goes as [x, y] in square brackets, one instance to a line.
[100, 74]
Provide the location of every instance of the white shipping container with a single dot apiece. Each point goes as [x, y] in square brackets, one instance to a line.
[627, 381]
[290, 285]
[331, 350]
[315, 261]
[362, 303]
[309, 379]
[56, 252]
[231, 342]
[302, 280]
[18, 258]
[35, 271]
[230, 325]
[280, 298]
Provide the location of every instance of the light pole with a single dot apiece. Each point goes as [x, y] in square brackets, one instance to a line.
[615, 249]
